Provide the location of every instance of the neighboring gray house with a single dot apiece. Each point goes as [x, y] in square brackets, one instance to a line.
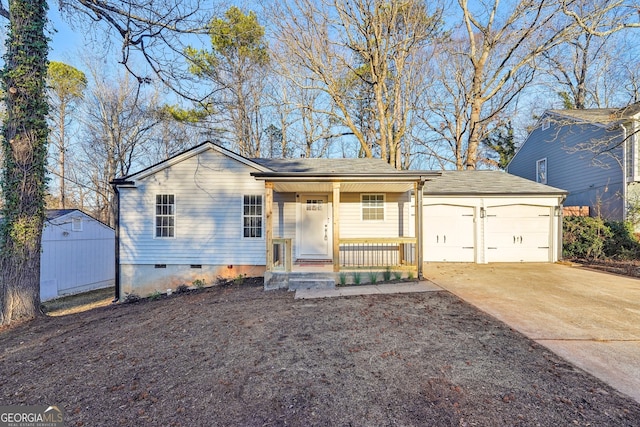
[593, 154]
[78, 254]
[208, 213]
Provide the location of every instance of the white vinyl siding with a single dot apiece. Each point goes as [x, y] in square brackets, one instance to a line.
[209, 189]
[396, 205]
[252, 216]
[165, 215]
[372, 207]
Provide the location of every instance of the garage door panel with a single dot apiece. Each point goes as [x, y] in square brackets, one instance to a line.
[449, 233]
[518, 233]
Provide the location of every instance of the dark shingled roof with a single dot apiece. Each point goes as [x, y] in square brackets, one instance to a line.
[600, 115]
[55, 213]
[321, 165]
[485, 182]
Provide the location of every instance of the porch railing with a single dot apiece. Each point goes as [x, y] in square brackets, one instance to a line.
[378, 252]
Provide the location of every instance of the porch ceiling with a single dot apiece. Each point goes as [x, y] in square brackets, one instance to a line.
[345, 187]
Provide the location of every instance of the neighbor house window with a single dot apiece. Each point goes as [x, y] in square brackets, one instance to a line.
[372, 207]
[165, 215]
[546, 124]
[252, 216]
[541, 171]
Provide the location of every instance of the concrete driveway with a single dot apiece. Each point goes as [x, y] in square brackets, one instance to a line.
[589, 318]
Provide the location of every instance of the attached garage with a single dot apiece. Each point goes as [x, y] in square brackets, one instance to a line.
[490, 216]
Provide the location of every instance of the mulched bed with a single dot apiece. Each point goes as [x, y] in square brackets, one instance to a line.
[237, 355]
[624, 268]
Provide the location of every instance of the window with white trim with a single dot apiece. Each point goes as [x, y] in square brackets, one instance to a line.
[165, 215]
[546, 124]
[252, 216]
[541, 171]
[372, 207]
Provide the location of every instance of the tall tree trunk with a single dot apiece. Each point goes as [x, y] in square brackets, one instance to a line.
[474, 134]
[25, 150]
[61, 157]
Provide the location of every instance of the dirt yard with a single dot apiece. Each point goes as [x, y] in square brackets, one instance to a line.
[234, 355]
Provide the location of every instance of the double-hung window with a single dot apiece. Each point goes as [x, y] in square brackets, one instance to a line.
[165, 215]
[541, 171]
[372, 207]
[252, 216]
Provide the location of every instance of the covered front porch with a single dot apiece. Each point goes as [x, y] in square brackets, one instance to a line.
[341, 228]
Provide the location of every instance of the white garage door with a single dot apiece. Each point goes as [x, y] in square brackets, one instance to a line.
[449, 233]
[517, 233]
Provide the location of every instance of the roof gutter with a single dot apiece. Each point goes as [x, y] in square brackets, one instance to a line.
[457, 193]
[311, 176]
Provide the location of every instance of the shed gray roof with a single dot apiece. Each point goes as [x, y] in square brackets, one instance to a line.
[485, 182]
[321, 165]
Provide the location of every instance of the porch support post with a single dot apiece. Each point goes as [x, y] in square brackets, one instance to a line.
[417, 188]
[335, 206]
[268, 209]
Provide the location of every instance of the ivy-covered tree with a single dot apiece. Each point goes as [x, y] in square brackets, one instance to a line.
[25, 151]
[149, 27]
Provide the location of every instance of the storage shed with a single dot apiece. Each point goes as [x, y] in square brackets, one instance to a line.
[78, 254]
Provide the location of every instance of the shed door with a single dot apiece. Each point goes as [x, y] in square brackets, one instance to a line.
[518, 233]
[449, 233]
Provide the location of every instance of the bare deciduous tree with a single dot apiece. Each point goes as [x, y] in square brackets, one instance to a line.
[143, 25]
[587, 70]
[498, 43]
[372, 42]
[118, 134]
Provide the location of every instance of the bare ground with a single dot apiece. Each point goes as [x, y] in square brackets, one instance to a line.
[241, 356]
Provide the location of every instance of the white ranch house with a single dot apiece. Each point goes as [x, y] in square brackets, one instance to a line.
[209, 212]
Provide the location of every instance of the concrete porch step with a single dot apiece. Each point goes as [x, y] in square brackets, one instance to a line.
[311, 283]
[295, 280]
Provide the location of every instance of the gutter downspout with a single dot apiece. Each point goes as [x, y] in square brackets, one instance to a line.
[116, 297]
[420, 232]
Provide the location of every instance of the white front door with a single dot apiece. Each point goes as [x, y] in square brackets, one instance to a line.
[315, 232]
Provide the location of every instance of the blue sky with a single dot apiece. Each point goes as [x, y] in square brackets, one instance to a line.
[65, 43]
